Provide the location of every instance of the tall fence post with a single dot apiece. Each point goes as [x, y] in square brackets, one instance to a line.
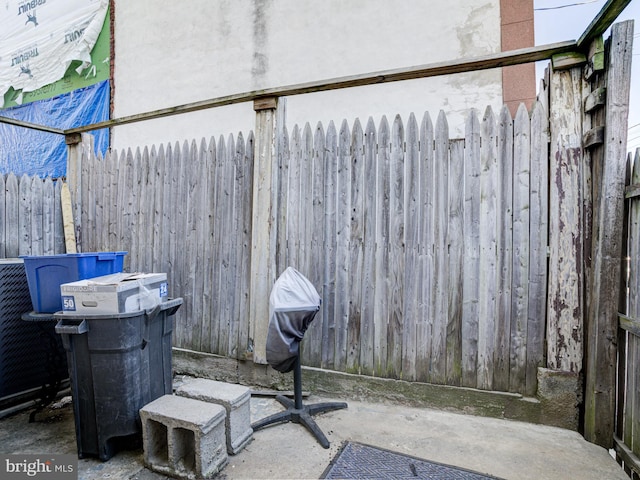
[77, 145]
[263, 225]
[602, 321]
[566, 212]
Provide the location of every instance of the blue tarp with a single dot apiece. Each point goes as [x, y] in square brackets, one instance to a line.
[44, 154]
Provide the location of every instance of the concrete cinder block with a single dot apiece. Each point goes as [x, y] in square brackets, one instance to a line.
[183, 437]
[234, 398]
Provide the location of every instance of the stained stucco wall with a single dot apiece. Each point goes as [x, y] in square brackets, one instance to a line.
[171, 53]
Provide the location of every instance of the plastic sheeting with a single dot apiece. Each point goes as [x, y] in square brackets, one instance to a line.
[44, 154]
[40, 38]
[293, 304]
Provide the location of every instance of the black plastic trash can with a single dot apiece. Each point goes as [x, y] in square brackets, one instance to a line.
[117, 364]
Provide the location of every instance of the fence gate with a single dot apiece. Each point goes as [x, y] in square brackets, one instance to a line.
[627, 437]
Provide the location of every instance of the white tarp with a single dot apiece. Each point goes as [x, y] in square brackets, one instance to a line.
[40, 38]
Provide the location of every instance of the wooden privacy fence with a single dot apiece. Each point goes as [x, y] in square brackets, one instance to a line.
[184, 210]
[429, 253]
[30, 216]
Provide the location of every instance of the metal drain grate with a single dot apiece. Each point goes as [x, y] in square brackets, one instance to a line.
[358, 461]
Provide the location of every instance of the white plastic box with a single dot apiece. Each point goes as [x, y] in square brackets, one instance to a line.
[115, 293]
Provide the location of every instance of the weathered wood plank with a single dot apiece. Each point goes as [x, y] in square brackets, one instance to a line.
[3, 218]
[24, 216]
[501, 59]
[343, 228]
[603, 305]
[595, 99]
[48, 217]
[367, 327]
[156, 184]
[147, 201]
[630, 459]
[293, 200]
[424, 322]
[195, 229]
[441, 258]
[305, 207]
[566, 266]
[37, 233]
[87, 207]
[129, 212]
[622, 367]
[633, 402]
[12, 205]
[174, 252]
[165, 156]
[382, 252]
[539, 211]
[263, 225]
[488, 262]
[521, 250]
[239, 243]
[455, 242]
[396, 250]
[245, 288]
[284, 160]
[471, 285]
[412, 230]
[567, 60]
[356, 253]
[505, 249]
[217, 252]
[330, 166]
[228, 246]
[315, 239]
[57, 226]
[109, 193]
[593, 137]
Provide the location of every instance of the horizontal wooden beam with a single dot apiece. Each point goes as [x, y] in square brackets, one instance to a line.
[631, 325]
[564, 61]
[596, 99]
[32, 126]
[632, 191]
[593, 137]
[630, 460]
[502, 59]
[603, 20]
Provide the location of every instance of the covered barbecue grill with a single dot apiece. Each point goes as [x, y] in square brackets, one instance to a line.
[293, 304]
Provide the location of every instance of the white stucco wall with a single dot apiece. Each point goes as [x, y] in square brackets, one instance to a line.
[170, 53]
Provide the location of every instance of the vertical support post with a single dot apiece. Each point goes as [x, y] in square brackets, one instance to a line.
[263, 226]
[566, 216]
[77, 146]
[600, 384]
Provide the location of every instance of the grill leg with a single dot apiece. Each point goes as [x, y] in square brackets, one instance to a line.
[297, 412]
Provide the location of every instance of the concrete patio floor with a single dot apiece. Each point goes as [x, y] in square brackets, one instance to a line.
[502, 448]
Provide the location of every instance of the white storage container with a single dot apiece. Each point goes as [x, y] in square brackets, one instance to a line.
[115, 293]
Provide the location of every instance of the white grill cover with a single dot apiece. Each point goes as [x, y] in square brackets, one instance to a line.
[293, 304]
